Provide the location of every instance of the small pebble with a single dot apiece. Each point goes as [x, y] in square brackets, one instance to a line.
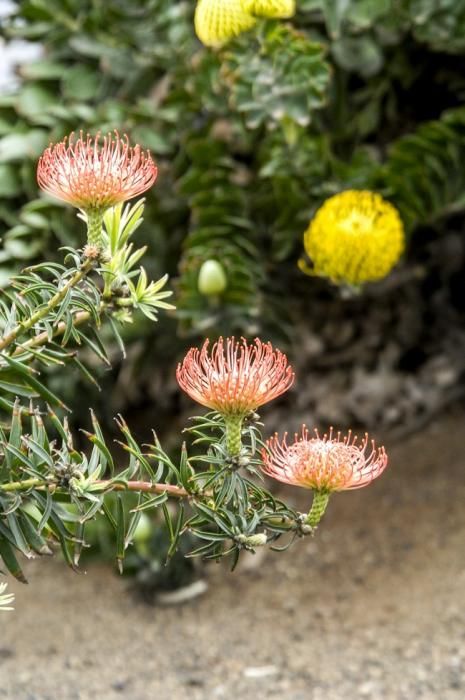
[260, 671]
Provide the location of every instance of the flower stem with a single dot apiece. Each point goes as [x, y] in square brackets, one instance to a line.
[320, 501]
[94, 227]
[233, 435]
[57, 298]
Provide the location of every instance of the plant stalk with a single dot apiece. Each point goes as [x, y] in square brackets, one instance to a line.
[41, 338]
[233, 435]
[319, 503]
[94, 227]
[105, 485]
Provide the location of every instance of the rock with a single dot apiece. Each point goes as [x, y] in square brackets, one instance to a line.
[182, 595]
[260, 671]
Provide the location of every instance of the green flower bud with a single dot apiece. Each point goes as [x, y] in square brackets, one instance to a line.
[212, 278]
[143, 530]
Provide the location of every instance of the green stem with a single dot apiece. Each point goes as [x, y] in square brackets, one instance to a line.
[144, 487]
[57, 298]
[41, 338]
[25, 485]
[319, 503]
[137, 486]
[94, 227]
[233, 435]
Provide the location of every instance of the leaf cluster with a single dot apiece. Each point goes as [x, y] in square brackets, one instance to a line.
[50, 491]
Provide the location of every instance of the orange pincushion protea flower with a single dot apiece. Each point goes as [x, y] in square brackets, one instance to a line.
[325, 464]
[94, 174]
[234, 378]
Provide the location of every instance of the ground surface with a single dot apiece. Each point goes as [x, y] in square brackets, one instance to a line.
[372, 607]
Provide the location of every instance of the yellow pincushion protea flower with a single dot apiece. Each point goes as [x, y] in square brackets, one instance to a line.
[280, 9]
[218, 21]
[355, 237]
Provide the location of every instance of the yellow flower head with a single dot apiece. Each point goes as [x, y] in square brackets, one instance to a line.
[355, 237]
[218, 21]
[270, 8]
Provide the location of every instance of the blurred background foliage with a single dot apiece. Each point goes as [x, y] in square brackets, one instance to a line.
[249, 141]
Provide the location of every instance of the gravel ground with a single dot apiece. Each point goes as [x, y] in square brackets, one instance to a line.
[372, 607]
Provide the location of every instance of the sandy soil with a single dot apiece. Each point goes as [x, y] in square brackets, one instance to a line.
[372, 607]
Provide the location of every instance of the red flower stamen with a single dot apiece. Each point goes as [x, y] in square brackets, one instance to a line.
[328, 463]
[234, 378]
[95, 174]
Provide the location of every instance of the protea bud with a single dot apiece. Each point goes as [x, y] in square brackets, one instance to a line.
[212, 278]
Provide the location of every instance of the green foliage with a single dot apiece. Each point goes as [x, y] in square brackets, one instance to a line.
[278, 126]
[44, 302]
[131, 67]
[279, 78]
[424, 171]
[49, 489]
[249, 139]
[220, 228]
[50, 305]
[121, 278]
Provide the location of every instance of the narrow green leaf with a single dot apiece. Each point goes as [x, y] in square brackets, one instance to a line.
[117, 336]
[120, 532]
[35, 541]
[10, 561]
[46, 504]
[109, 515]
[177, 531]
[132, 526]
[151, 502]
[34, 383]
[44, 456]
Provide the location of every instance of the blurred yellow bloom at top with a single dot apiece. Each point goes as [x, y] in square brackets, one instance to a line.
[270, 8]
[218, 21]
[355, 237]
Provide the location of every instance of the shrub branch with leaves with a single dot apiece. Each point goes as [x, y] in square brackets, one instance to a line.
[50, 490]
